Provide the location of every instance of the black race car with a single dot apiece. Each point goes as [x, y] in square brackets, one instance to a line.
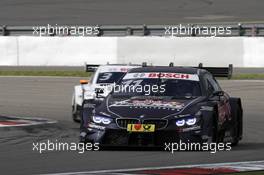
[158, 104]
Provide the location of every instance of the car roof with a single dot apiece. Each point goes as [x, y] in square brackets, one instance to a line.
[187, 70]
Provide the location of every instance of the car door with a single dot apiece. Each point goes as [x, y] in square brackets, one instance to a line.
[224, 110]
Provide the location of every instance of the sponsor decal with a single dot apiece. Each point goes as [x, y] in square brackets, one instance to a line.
[140, 127]
[149, 103]
[114, 69]
[162, 75]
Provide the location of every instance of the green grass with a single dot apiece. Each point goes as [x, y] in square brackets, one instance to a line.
[247, 173]
[248, 76]
[45, 73]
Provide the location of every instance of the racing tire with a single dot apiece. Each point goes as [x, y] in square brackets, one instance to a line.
[235, 129]
[236, 124]
[75, 115]
[213, 129]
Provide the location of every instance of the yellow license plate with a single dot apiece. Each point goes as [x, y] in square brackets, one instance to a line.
[140, 127]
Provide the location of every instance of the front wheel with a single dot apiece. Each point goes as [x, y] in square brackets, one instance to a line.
[76, 114]
[213, 130]
[235, 128]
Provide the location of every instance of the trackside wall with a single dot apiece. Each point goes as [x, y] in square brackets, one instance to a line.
[74, 51]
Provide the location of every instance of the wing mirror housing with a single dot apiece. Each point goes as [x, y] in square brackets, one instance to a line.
[218, 93]
[98, 92]
[84, 82]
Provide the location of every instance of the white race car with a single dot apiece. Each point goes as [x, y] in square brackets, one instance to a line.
[97, 88]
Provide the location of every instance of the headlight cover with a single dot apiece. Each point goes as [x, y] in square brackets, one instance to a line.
[191, 121]
[180, 122]
[101, 120]
[188, 120]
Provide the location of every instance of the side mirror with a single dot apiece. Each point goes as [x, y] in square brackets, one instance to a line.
[218, 93]
[98, 92]
[84, 81]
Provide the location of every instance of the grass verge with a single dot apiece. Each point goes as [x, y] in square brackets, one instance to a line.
[248, 76]
[247, 173]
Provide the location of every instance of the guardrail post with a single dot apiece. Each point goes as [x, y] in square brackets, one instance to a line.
[230, 71]
[254, 31]
[4, 30]
[129, 31]
[101, 32]
[145, 30]
[193, 31]
[241, 30]
[52, 32]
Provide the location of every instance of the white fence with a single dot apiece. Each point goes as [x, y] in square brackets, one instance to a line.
[74, 51]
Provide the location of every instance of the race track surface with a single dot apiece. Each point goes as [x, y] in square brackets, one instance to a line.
[88, 12]
[51, 98]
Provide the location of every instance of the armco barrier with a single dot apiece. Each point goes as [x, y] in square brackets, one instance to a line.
[183, 51]
[245, 29]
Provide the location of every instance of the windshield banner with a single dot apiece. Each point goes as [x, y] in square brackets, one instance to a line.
[162, 75]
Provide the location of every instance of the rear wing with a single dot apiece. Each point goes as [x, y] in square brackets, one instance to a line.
[91, 67]
[219, 71]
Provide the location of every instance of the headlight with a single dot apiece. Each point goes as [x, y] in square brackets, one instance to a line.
[180, 122]
[191, 121]
[99, 119]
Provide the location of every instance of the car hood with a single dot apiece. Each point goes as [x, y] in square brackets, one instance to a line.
[147, 107]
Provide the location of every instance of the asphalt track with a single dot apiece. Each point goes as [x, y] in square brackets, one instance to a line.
[105, 12]
[51, 98]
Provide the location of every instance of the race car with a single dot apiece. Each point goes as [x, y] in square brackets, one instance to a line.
[94, 90]
[164, 104]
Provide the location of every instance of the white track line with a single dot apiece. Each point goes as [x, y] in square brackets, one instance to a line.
[230, 164]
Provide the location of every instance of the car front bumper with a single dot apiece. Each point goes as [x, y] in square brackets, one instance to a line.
[112, 136]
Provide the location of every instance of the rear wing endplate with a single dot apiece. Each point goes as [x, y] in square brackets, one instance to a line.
[219, 71]
[91, 67]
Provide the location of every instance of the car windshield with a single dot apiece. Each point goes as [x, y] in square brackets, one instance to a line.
[163, 87]
[109, 77]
